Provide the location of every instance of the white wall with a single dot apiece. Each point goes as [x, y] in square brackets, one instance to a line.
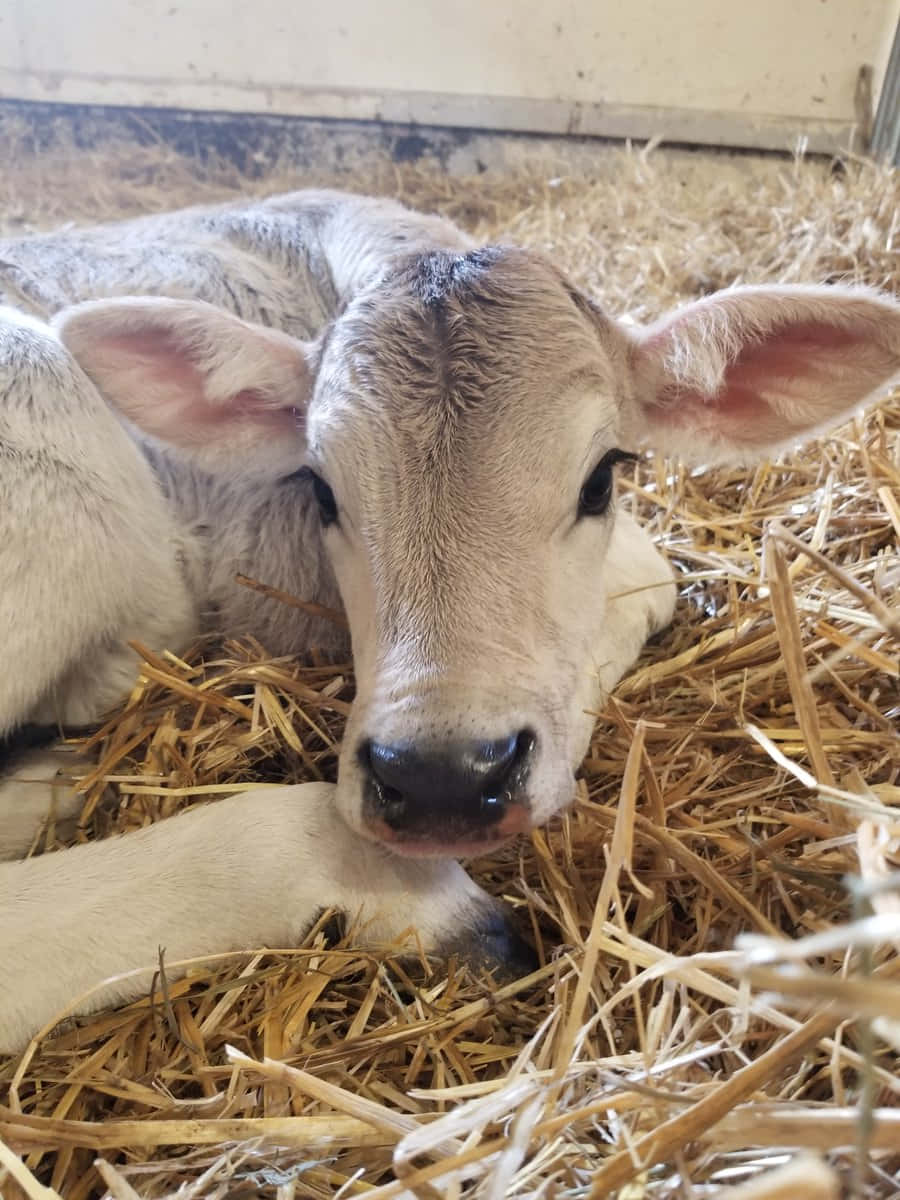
[753, 71]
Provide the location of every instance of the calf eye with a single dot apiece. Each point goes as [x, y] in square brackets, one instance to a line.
[328, 509]
[598, 487]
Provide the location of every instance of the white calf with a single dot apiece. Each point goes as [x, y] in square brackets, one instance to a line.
[350, 402]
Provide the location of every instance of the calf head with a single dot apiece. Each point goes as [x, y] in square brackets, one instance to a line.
[459, 424]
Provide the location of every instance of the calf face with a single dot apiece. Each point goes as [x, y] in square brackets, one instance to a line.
[460, 422]
[469, 470]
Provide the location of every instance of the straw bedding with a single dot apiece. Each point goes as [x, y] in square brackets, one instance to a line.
[742, 781]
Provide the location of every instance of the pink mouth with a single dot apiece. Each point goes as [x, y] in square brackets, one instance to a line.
[423, 849]
[514, 822]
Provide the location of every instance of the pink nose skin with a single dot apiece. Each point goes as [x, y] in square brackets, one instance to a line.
[516, 820]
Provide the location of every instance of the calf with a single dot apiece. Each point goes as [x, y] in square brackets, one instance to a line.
[353, 403]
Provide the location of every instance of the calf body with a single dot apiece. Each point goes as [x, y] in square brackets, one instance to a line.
[351, 403]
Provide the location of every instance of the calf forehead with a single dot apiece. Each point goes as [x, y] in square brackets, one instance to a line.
[459, 359]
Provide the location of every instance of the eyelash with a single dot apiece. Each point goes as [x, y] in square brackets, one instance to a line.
[328, 509]
[597, 490]
[325, 499]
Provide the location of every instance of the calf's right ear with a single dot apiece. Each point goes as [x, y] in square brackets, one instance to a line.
[225, 392]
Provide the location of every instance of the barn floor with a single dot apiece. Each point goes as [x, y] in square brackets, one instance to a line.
[748, 766]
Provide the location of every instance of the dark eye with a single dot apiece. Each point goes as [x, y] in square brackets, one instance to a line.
[598, 487]
[328, 509]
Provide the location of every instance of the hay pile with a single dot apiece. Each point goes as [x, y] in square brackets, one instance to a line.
[738, 777]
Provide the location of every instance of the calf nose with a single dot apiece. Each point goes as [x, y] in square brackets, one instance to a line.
[444, 794]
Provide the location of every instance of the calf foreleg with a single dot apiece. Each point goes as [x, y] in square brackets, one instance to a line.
[250, 871]
[36, 787]
[640, 591]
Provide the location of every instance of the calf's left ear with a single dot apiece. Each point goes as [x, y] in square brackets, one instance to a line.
[225, 392]
[750, 370]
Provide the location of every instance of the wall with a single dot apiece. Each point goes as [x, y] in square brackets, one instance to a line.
[757, 73]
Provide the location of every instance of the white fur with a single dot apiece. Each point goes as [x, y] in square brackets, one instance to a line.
[145, 434]
[250, 871]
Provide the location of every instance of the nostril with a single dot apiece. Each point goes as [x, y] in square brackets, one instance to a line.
[392, 805]
[380, 763]
[497, 759]
[520, 748]
[364, 754]
[500, 778]
[492, 806]
[498, 755]
[385, 763]
[526, 740]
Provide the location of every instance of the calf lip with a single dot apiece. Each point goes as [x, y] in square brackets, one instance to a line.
[427, 847]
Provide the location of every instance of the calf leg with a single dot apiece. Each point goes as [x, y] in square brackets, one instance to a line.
[36, 788]
[250, 871]
[640, 599]
[89, 555]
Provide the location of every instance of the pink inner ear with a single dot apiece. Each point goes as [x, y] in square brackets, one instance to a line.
[254, 407]
[166, 396]
[799, 351]
[769, 382]
[159, 388]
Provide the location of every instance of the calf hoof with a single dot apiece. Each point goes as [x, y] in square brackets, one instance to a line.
[493, 944]
[18, 744]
